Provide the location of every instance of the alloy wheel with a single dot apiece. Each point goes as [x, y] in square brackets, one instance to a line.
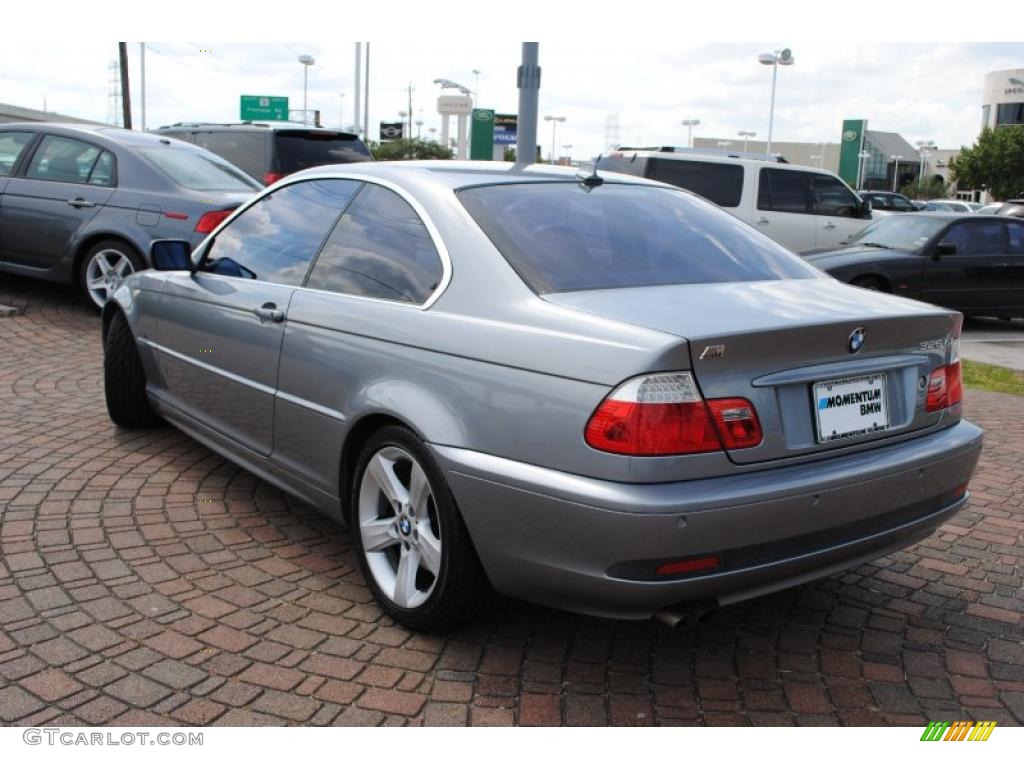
[399, 527]
[105, 272]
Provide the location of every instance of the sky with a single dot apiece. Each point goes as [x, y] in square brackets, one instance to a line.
[923, 90]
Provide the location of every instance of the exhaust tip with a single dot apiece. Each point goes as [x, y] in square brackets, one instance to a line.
[685, 613]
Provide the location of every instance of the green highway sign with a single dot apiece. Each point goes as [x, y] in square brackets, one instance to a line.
[263, 108]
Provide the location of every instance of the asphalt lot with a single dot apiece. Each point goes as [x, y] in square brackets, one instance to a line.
[993, 341]
[146, 581]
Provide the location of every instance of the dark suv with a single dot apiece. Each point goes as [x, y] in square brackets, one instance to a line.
[271, 152]
[888, 201]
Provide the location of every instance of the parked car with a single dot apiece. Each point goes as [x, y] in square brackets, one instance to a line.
[81, 204]
[967, 262]
[887, 202]
[801, 208]
[602, 394]
[1012, 208]
[957, 206]
[990, 209]
[272, 151]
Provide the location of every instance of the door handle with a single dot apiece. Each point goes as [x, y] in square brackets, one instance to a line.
[830, 225]
[269, 313]
[81, 202]
[762, 219]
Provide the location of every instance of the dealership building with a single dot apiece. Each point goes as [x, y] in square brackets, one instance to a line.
[1003, 101]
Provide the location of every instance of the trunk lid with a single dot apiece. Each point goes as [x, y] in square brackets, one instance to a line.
[772, 342]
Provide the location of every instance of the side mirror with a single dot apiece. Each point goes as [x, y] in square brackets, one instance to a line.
[945, 249]
[170, 255]
[865, 209]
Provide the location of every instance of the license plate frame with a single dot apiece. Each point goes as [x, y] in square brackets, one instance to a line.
[835, 422]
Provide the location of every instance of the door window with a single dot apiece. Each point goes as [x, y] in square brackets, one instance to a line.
[833, 198]
[1016, 237]
[976, 238]
[721, 183]
[276, 239]
[103, 172]
[379, 249]
[62, 159]
[783, 191]
[12, 144]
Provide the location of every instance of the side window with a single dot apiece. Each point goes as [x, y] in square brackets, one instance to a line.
[976, 238]
[379, 249]
[902, 204]
[721, 183]
[783, 191]
[61, 159]
[103, 172]
[276, 238]
[246, 149]
[1016, 233]
[12, 144]
[833, 198]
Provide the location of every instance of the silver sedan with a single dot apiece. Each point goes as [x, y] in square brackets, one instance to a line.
[593, 392]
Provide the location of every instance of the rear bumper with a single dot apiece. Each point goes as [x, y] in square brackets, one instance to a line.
[582, 544]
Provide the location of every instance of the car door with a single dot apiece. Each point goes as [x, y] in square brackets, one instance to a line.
[784, 208]
[13, 145]
[1015, 241]
[837, 211]
[975, 277]
[52, 200]
[220, 328]
[379, 266]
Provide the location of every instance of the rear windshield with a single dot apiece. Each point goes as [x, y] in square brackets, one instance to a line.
[721, 183]
[196, 170]
[297, 150]
[560, 237]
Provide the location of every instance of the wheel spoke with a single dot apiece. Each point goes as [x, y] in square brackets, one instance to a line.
[123, 267]
[101, 259]
[97, 284]
[419, 491]
[405, 579]
[378, 535]
[383, 472]
[430, 550]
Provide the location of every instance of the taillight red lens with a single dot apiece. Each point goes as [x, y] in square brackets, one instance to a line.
[737, 422]
[663, 414]
[209, 221]
[945, 387]
[271, 176]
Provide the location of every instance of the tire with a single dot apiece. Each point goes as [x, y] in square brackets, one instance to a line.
[870, 284]
[416, 554]
[124, 380]
[104, 267]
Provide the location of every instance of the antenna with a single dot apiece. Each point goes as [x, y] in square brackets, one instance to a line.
[593, 181]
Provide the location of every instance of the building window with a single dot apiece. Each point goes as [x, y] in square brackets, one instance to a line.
[1010, 114]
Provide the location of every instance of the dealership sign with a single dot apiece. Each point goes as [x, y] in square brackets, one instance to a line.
[505, 129]
[391, 131]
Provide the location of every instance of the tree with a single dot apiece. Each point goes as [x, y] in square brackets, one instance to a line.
[995, 162]
[933, 188]
[409, 149]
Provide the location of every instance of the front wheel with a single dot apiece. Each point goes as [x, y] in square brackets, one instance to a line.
[123, 378]
[413, 546]
[105, 266]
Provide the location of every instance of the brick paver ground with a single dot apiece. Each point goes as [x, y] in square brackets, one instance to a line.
[144, 580]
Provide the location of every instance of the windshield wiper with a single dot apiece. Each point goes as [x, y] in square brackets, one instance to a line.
[873, 245]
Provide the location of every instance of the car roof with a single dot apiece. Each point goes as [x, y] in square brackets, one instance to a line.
[257, 127]
[112, 133]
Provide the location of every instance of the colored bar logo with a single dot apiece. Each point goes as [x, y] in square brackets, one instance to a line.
[960, 730]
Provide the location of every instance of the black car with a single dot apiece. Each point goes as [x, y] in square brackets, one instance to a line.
[962, 261]
[888, 201]
[271, 152]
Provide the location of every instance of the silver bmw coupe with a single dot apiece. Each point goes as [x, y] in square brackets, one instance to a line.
[598, 392]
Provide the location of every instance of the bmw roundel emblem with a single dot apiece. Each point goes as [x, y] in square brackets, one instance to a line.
[405, 526]
[856, 340]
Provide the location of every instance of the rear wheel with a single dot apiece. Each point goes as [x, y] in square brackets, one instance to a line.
[123, 378]
[413, 546]
[105, 266]
[871, 284]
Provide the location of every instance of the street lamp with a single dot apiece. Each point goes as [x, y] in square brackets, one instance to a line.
[746, 135]
[860, 176]
[689, 130]
[403, 114]
[306, 61]
[341, 111]
[896, 170]
[476, 86]
[419, 128]
[554, 120]
[432, 132]
[922, 148]
[773, 60]
[568, 152]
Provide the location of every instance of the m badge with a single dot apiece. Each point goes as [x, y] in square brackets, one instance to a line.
[714, 352]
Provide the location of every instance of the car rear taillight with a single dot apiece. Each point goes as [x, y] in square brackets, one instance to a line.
[663, 414]
[946, 384]
[271, 176]
[209, 221]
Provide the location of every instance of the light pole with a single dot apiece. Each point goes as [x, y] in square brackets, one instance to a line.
[922, 148]
[306, 61]
[403, 114]
[746, 135]
[568, 152]
[860, 176]
[689, 129]
[773, 60]
[554, 120]
[476, 87]
[432, 132]
[896, 170]
[341, 111]
[419, 128]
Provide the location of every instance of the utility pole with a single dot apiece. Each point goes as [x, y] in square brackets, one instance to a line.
[528, 81]
[358, 87]
[366, 95]
[142, 76]
[126, 104]
[410, 111]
